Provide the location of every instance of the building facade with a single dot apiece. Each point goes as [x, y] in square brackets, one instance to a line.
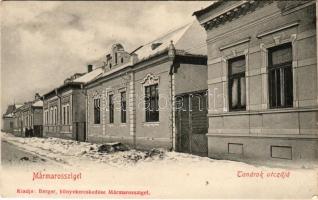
[64, 107]
[262, 79]
[134, 100]
[8, 119]
[28, 118]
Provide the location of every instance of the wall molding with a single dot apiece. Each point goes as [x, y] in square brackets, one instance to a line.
[236, 43]
[281, 28]
[283, 136]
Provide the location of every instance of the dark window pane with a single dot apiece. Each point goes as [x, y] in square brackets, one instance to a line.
[278, 88]
[111, 109]
[243, 91]
[152, 103]
[123, 107]
[280, 76]
[288, 83]
[96, 111]
[272, 90]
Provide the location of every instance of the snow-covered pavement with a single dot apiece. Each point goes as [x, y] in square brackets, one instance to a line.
[163, 174]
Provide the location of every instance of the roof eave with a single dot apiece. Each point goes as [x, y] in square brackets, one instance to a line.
[208, 8]
[62, 86]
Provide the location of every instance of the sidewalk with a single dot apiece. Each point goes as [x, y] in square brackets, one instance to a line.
[164, 174]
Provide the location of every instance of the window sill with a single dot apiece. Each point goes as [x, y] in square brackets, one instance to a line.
[152, 124]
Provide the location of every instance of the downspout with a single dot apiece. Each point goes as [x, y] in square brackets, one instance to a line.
[172, 56]
[86, 111]
[59, 121]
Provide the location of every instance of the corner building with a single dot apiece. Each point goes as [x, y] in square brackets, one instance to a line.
[262, 79]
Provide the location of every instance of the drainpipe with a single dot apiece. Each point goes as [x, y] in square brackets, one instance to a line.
[59, 121]
[172, 56]
[86, 111]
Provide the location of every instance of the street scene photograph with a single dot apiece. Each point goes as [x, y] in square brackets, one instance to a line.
[159, 99]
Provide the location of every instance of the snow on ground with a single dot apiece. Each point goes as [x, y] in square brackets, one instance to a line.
[71, 152]
[164, 174]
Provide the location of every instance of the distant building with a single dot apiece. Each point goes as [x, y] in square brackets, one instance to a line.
[262, 79]
[8, 118]
[64, 107]
[28, 118]
[134, 100]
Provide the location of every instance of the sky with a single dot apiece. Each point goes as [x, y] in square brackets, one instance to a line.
[43, 43]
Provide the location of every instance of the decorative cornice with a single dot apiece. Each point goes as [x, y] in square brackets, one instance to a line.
[232, 13]
[96, 94]
[150, 79]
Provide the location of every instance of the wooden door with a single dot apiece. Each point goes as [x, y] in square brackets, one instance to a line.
[192, 123]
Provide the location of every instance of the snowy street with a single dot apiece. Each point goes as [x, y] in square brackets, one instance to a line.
[12, 155]
[161, 173]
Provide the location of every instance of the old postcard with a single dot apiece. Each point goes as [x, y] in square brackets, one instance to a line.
[159, 99]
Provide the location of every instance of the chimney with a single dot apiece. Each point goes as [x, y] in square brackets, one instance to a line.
[37, 96]
[89, 68]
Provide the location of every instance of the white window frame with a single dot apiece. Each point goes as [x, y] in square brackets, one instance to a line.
[66, 115]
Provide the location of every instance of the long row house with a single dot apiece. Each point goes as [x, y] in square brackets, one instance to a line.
[240, 82]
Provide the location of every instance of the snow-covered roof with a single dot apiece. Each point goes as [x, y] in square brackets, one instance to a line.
[213, 5]
[18, 106]
[38, 103]
[190, 38]
[10, 115]
[89, 76]
[146, 50]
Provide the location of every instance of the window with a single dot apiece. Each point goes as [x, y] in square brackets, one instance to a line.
[123, 107]
[46, 117]
[68, 115]
[51, 115]
[116, 57]
[122, 60]
[55, 115]
[280, 76]
[111, 108]
[11, 124]
[64, 115]
[152, 103]
[96, 111]
[237, 91]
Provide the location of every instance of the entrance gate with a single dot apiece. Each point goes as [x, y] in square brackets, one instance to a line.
[192, 123]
